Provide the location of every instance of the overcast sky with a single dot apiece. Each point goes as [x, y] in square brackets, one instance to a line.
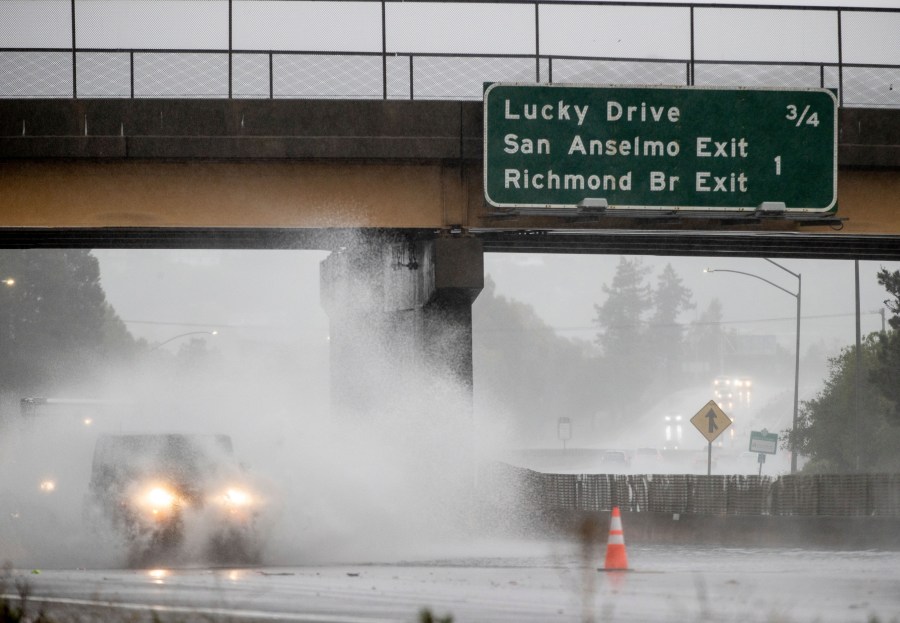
[265, 295]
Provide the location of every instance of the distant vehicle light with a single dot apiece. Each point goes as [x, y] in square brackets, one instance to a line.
[47, 486]
[668, 418]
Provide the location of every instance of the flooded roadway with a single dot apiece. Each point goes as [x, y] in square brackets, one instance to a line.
[518, 582]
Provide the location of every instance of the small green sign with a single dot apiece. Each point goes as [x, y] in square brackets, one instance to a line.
[763, 442]
[660, 148]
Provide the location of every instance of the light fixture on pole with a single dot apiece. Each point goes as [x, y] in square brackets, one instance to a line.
[796, 295]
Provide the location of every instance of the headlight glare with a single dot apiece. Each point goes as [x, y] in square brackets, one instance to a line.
[236, 497]
[160, 497]
[157, 500]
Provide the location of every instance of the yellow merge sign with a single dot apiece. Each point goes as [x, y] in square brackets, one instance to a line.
[711, 421]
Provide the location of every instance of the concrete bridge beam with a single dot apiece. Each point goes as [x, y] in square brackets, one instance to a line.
[401, 323]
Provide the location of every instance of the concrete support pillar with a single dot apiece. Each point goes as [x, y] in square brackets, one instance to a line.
[401, 323]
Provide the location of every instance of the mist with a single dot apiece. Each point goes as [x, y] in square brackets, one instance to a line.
[390, 483]
[387, 484]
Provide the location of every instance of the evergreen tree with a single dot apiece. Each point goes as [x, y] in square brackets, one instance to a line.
[670, 299]
[621, 320]
[707, 340]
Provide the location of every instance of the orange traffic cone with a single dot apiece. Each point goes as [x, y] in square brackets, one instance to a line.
[616, 559]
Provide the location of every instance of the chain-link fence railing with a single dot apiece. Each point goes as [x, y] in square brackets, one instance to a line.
[393, 49]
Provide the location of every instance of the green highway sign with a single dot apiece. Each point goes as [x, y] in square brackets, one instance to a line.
[660, 148]
[763, 442]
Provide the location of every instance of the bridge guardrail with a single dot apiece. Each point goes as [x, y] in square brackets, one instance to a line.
[391, 49]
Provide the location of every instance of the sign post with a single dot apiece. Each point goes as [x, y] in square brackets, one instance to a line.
[660, 148]
[763, 442]
[711, 421]
[564, 430]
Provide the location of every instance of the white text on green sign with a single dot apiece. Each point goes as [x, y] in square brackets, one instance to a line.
[672, 148]
[763, 442]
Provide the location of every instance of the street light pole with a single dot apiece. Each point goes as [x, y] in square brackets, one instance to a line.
[797, 296]
[796, 366]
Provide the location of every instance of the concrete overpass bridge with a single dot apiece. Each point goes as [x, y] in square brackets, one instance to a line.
[391, 184]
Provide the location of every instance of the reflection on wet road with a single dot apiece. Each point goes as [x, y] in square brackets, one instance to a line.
[511, 582]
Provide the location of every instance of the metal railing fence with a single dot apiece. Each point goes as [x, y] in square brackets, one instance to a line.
[799, 494]
[416, 49]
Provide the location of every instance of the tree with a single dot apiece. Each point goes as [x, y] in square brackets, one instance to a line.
[706, 338]
[828, 431]
[670, 299]
[831, 431]
[891, 283]
[885, 373]
[527, 372]
[623, 337]
[620, 318]
[56, 327]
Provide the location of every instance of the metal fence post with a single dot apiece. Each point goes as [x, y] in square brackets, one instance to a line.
[230, 71]
[537, 42]
[74, 56]
[840, 61]
[384, 51]
[691, 66]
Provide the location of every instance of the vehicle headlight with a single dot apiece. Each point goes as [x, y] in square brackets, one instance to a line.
[236, 498]
[157, 500]
[236, 501]
[48, 485]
